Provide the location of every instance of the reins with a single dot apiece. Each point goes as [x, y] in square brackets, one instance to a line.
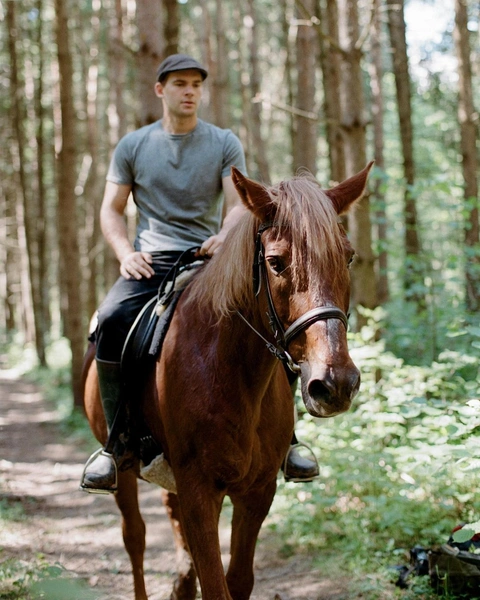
[283, 336]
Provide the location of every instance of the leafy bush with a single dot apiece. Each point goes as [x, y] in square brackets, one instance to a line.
[400, 469]
[34, 580]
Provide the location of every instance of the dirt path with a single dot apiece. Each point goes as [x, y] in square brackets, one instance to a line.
[40, 470]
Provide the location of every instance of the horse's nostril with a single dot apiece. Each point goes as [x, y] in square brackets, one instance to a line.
[318, 391]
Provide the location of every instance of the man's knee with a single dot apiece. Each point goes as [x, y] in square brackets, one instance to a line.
[110, 316]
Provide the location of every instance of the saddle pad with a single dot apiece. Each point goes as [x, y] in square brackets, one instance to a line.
[145, 338]
[163, 323]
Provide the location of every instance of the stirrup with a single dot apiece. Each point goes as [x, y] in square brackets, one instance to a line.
[93, 490]
[285, 462]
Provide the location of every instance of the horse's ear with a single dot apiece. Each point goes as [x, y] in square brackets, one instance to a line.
[253, 195]
[349, 191]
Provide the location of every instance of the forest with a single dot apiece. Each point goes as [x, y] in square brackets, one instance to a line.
[322, 85]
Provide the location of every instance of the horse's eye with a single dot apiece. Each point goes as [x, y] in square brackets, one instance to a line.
[276, 264]
[350, 260]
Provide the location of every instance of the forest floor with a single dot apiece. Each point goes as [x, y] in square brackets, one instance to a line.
[39, 471]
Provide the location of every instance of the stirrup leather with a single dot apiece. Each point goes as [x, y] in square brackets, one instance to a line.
[93, 490]
[285, 463]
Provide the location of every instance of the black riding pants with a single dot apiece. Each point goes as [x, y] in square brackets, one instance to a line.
[122, 304]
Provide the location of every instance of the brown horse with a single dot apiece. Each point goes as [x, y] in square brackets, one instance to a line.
[219, 401]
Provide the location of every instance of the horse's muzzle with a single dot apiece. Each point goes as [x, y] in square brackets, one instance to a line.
[328, 391]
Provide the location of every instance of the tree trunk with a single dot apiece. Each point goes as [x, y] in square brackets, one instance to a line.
[206, 36]
[331, 71]
[414, 268]
[354, 131]
[305, 147]
[117, 116]
[93, 185]
[151, 51]
[213, 43]
[67, 217]
[287, 12]
[219, 83]
[172, 27]
[29, 213]
[7, 311]
[258, 144]
[376, 77]
[42, 237]
[468, 119]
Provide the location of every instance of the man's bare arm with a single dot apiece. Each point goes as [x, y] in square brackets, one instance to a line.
[112, 220]
[234, 210]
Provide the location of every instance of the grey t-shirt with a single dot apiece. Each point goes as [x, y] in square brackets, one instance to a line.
[176, 182]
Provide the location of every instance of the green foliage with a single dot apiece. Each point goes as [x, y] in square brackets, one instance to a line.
[398, 470]
[34, 580]
[10, 511]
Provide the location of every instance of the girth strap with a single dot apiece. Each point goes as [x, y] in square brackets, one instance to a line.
[312, 316]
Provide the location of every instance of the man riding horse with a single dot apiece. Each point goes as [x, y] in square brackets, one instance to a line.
[178, 171]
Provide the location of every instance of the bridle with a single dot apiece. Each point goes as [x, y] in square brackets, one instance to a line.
[283, 336]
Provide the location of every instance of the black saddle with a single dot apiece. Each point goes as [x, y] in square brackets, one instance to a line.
[147, 334]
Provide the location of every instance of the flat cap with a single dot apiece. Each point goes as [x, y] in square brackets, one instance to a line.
[179, 62]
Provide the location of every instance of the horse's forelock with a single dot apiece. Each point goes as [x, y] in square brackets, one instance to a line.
[316, 239]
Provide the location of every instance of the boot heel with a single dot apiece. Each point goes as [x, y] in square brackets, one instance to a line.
[91, 487]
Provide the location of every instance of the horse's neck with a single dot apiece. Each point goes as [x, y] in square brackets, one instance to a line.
[240, 345]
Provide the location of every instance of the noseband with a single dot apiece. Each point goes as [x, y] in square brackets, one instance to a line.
[283, 336]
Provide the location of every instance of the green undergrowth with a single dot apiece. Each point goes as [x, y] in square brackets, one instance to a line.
[400, 469]
[38, 580]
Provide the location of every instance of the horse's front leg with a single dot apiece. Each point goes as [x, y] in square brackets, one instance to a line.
[249, 512]
[200, 504]
[133, 528]
[185, 587]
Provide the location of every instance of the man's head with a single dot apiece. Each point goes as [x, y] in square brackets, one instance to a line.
[179, 62]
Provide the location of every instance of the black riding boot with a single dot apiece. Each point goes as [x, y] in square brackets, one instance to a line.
[100, 473]
[298, 468]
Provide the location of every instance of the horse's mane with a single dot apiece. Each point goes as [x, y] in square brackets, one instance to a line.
[306, 215]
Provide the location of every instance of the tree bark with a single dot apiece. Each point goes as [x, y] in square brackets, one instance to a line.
[206, 36]
[67, 210]
[287, 12]
[42, 151]
[331, 72]
[219, 84]
[29, 213]
[151, 51]
[468, 120]
[414, 268]
[305, 146]
[258, 144]
[376, 77]
[354, 132]
[172, 27]
[91, 182]
[117, 116]
[245, 99]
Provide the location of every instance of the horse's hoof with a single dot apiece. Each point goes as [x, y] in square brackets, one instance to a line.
[100, 474]
[297, 468]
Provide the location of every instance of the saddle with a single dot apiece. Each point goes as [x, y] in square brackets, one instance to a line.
[146, 336]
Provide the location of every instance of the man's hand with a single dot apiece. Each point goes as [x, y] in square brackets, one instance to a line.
[136, 265]
[212, 245]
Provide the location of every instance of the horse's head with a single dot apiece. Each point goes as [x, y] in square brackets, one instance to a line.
[303, 257]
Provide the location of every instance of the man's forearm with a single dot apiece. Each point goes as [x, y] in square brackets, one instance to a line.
[115, 231]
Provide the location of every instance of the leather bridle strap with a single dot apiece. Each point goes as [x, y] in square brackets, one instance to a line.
[312, 316]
